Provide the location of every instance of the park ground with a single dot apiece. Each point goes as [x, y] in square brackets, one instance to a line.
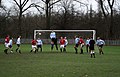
[56, 64]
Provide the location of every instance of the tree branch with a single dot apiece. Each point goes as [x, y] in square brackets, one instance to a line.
[27, 8]
[39, 6]
[43, 1]
[54, 2]
[16, 3]
[24, 3]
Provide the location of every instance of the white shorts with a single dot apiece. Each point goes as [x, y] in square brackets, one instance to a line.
[61, 46]
[7, 45]
[81, 45]
[34, 46]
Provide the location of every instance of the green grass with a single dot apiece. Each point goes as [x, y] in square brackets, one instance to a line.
[56, 64]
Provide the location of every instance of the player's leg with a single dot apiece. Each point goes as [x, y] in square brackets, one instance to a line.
[52, 45]
[6, 48]
[32, 49]
[75, 47]
[41, 48]
[17, 47]
[61, 48]
[64, 49]
[102, 49]
[11, 50]
[55, 42]
[87, 48]
[93, 53]
[81, 49]
[38, 46]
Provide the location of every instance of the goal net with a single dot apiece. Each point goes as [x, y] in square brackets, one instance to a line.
[45, 34]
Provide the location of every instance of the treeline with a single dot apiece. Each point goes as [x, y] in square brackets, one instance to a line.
[17, 20]
[95, 21]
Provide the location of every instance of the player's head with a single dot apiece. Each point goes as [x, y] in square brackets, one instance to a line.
[11, 38]
[98, 38]
[8, 36]
[61, 37]
[80, 36]
[88, 38]
[76, 36]
[65, 37]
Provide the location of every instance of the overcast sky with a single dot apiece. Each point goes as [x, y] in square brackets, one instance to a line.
[8, 4]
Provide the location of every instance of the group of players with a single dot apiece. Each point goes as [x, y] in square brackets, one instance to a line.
[37, 44]
[90, 42]
[9, 43]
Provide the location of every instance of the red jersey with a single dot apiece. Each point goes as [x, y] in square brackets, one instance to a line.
[34, 42]
[81, 41]
[62, 41]
[7, 39]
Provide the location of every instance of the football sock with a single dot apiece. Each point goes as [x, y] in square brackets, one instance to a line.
[61, 49]
[76, 50]
[20, 51]
[64, 49]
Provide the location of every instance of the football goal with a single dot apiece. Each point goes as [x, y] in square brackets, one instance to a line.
[45, 34]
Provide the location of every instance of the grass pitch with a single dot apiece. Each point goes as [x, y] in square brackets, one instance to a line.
[56, 64]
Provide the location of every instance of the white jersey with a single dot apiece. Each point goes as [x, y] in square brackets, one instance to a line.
[87, 42]
[66, 42]
[10, 42]
[100, 42]
[52, 35]
[77, 40]
[39, 42]
[18, 41]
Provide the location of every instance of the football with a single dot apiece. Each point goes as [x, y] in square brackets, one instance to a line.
[39, 33]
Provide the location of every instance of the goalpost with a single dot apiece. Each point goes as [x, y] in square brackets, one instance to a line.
[45, 34]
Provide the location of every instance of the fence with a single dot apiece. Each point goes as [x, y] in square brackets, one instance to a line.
[71, 41]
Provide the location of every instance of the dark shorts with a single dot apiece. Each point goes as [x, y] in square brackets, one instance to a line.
[39, 46]
[91, 47]
[10, 46]
[54, 40]
[101, 46]
[76, 45]
[18, 45]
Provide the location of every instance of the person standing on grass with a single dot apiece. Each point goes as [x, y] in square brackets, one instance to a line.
[10, 45]
[66, 43]
[87, 45]
[53, 40]
[18, 43]
[76, 44]
[62, 43]
[39, 44]
[6, 44]
[100, 43]
[34, 47]
[91, 43]
[81, 45]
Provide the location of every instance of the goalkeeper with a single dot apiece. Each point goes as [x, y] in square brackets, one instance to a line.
[53, 40]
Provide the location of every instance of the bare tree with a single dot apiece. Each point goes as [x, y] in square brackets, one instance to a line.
[65, 8]
[21, 5]
[0, 2]
[106, 13]
[48, 6]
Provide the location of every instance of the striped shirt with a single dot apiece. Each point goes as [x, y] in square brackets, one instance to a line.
[77, 40]
[100, 42]
[39, 42]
